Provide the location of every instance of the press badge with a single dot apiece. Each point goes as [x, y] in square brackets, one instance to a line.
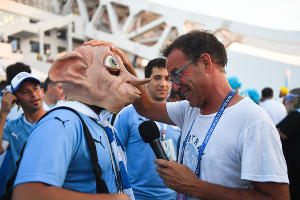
[168, 146]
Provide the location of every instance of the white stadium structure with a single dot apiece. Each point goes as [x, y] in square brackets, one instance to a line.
[36, 32]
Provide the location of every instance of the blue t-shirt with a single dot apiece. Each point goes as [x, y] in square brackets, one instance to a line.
[16, 133]
[57, 154]
[143, 177]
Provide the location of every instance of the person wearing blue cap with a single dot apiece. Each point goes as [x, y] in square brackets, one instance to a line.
[27, 93]
[11, 72]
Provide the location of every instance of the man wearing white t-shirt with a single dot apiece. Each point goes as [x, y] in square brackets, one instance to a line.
[275, 109]
[230, 148]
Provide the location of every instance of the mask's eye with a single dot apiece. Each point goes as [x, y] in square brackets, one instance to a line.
[111, 62]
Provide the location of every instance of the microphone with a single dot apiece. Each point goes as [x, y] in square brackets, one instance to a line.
[150, 134]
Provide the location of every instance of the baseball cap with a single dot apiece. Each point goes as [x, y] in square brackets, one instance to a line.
[20, 78]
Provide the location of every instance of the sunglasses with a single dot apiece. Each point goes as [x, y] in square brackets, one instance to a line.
[175, 77]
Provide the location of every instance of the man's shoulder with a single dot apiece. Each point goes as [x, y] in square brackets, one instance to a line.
[63, 114]
[247, 108]
[184, 104]
[60, 121]
[15, 122]
[128, 110]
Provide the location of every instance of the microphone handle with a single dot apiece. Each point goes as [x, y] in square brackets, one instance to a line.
[158, 150]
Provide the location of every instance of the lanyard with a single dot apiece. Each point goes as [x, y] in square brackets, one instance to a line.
[209, 132]
[206, 139]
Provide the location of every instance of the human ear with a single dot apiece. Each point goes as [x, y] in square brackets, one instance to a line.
[206, 60]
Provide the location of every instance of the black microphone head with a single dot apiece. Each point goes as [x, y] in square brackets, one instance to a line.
[149, 131]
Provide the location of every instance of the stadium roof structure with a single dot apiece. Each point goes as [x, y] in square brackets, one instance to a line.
[143, 27]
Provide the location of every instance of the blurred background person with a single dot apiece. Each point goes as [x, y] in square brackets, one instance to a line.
[53, 93]
[282, 93]
[142, 175]
[289, 129]
[275, 109]
[25, 92]
[11, 71]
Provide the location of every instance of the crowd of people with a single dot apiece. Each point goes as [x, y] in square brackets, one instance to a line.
[284, 112]
[76, 136]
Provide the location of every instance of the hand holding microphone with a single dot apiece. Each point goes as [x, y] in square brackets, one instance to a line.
[150, 134]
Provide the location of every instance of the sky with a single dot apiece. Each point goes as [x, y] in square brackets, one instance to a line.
[274, 14]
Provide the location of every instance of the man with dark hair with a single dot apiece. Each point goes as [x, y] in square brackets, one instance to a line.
[275, 109]
[11, 72]
[266, 93]
[144, 179]
[27, 93]
[223, 134]
[53, 93]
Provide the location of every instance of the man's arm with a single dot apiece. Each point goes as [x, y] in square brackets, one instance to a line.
[41, 191]
[6, 103]
[150, 109]
[181, 179]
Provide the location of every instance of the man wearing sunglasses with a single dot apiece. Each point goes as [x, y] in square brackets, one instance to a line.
[230, 149]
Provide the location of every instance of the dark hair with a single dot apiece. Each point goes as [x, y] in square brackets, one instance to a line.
[157, 62]
[267, 92]
[46, 83]
[195, 43]
[14, 69]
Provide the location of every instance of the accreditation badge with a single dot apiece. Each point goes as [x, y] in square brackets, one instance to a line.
[168, 146]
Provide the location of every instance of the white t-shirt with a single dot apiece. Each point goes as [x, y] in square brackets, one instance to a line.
[244, 146]
[275, 109]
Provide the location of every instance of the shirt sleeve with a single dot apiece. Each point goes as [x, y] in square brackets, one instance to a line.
[6, 131]
[50, 148]
[262, 156]
[176, 111]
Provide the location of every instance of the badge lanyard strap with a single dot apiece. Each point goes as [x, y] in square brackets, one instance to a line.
[207, 137]
[209, 133]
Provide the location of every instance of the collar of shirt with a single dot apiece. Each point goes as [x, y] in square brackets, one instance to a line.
[80, 107]
[102, 118]
[27, 122]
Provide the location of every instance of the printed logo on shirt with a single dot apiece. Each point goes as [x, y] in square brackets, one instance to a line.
[99, 142]
[15, 135]
[191, 152]
[63, 122]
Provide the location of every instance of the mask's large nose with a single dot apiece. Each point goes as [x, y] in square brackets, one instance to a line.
[133, 80]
